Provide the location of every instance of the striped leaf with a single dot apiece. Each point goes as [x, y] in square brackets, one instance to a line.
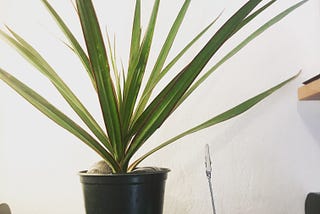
[76, 47]
[246, 41]
[29, 53]
[155, 73]
[100, 66]
[231, 113]
[57, 116]
[161, 107]
[137, 71]
[145, 97]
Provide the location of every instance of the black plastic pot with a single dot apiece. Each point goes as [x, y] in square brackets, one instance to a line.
[138, 193]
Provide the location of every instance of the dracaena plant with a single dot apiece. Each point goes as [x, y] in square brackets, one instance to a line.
[130, 115]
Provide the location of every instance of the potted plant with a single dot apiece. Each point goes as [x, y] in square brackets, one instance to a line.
[130, 115]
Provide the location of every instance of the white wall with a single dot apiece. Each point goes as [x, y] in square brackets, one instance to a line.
[265, 161]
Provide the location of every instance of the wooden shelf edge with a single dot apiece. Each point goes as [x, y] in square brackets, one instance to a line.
[310, 91]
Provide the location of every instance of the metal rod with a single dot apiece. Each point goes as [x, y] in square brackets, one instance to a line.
[212, 199]
[209, 173]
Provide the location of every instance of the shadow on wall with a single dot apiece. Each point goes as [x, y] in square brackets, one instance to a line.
[310, 114]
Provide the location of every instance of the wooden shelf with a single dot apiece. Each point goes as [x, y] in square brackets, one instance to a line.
[310, 91]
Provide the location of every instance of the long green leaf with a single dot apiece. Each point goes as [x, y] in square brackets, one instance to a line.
[28, 52]
[133, 59]
[135, 75]
[57, 116]
[162, 106]
[135, 37]
[246, 41]
[76, 47]
[162, 56]
[145, 97]
[113, 60]
[99, 62]
[254, 15]
[231, 113]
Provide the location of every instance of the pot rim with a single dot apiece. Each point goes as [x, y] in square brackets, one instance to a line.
[160, 170]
